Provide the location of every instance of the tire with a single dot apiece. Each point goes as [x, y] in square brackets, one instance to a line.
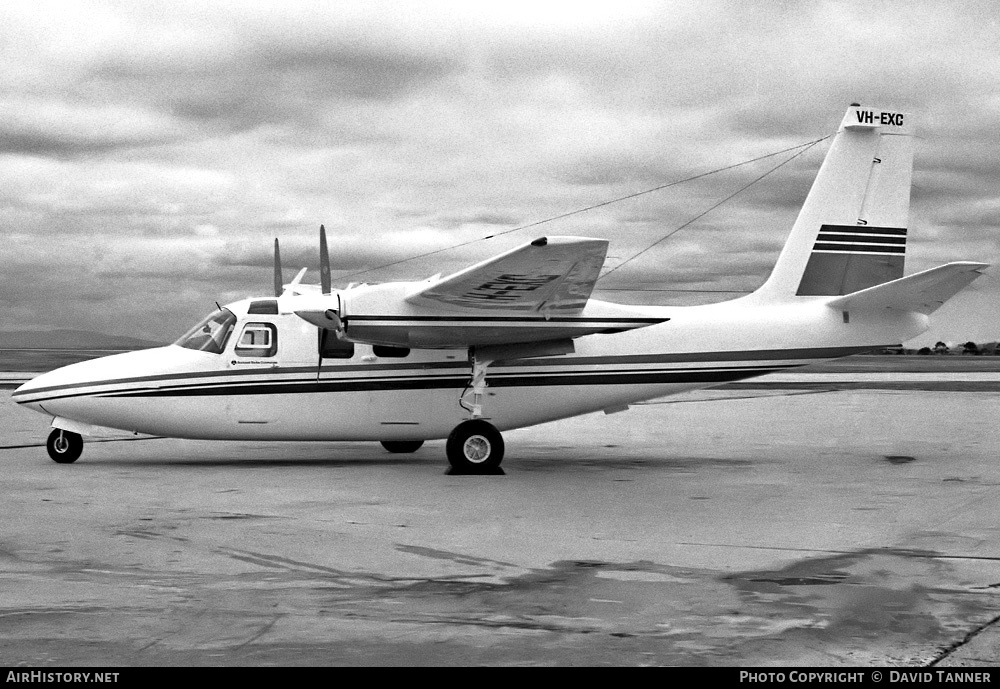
[402, 446]
[475, 447]
[64, 447]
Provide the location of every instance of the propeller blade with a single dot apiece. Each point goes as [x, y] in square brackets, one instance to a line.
[278, 279]
[324, 262]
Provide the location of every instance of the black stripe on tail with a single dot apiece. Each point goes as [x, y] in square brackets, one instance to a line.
[848, 258]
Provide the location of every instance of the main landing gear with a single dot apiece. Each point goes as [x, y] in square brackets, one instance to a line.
[65, 447]
[475, 447]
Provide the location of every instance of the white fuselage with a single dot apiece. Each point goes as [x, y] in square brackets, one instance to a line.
[291, 395]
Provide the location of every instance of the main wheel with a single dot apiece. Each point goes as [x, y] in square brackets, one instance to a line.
[64, 447]
[402, 446]
[474, 447]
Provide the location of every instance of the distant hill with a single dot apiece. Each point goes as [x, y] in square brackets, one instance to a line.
[69, 339]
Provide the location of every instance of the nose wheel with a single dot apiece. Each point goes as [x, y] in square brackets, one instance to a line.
[475, 447]
[65, 447]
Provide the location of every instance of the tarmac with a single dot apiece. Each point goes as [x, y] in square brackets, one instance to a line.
[790, 522]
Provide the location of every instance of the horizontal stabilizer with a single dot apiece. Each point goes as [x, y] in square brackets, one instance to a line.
[295, 286]
[921, 292]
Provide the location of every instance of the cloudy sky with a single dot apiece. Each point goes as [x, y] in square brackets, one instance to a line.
[151, 151]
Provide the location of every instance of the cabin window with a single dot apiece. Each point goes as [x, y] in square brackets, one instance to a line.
[390, 352]
[211, 334]
[257, 339]
[332, 347]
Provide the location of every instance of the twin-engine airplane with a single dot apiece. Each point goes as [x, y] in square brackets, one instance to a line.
[516, 340]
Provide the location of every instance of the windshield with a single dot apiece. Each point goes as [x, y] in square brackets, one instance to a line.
[210, 334]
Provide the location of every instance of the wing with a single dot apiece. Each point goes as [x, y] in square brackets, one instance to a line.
[549, 275]
[538, 292]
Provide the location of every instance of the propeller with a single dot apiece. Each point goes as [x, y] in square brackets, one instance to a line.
[278, 280]
[324, 262]
[317, 311]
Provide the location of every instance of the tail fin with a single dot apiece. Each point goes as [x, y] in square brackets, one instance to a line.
[851, 231]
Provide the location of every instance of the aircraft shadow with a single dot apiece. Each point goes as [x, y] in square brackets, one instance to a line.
[256, 463]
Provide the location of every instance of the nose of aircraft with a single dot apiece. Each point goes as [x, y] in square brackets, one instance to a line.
[44, 392]
[26, 395]
[97, 392]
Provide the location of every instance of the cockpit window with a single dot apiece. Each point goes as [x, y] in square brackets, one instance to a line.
[210, 334]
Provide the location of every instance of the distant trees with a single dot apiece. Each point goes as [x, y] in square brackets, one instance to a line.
[969, 348]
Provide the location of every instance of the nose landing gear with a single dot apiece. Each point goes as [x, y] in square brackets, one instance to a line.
[65, 447]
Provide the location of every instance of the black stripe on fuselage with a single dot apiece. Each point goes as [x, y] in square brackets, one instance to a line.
[384, 383]
[674, 358]
[504, 319]
[625, 377]
[426, 369]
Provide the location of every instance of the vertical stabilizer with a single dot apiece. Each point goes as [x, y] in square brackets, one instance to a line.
[851, 231]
